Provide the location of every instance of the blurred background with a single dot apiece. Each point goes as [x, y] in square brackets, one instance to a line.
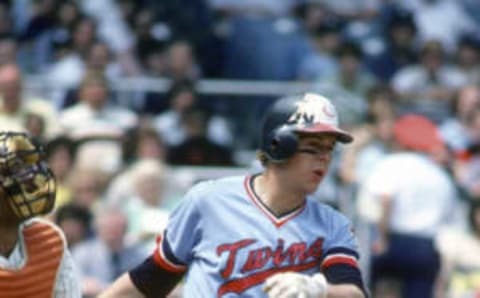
[136, 100]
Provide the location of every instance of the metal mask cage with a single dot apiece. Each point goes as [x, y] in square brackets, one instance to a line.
[25, 178]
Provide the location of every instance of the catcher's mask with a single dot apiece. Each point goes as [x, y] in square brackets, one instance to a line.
[25, 179]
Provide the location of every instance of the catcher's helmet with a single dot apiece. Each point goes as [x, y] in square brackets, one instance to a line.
[25, 179]
[306, 113]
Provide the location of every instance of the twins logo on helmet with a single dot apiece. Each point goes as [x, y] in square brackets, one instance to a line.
[307, 113]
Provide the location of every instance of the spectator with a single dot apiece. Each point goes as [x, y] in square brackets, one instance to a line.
[83, 35]
[113, 30]
[143, 142]
[98, 59]
[373, 140]
[67, 14]
[441, 20]
[359, 15]
[60, 155]
[75, 222]
[43, 19]
[103, 258]
[409, 197]
[352, 79]
[467, 164]
[264, 49]
[123, 187]
[427, 88]
[15, 105]
[400, 46]
[320, 62]
[181, 61]
[183, 96]
[6, 21]
[460, 260]
[128, 9]
[311, 13]
[197, 148]
[468, 58]
[86, 186]
[457, 131]
[35, 126]
[154, 58]
[68, 69]
[351, 76]
[148, 32]
[44, 45]
[94, 116]
[147, 209]
[382, 101]
[8, 49]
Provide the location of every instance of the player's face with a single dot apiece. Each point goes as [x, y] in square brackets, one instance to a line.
[309, 165]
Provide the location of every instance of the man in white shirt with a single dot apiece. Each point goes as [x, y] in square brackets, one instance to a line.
[16, 104]
[408, 196]
[93, 116]
[34, 259]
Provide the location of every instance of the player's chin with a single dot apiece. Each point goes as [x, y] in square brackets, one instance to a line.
[317, 178]
[312, 186]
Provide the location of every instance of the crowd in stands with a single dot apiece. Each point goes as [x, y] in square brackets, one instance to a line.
[378, 60]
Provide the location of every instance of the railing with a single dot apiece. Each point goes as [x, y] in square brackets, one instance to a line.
[128, 90]
[244, 88]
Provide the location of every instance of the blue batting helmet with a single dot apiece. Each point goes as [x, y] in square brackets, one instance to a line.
[306, 113]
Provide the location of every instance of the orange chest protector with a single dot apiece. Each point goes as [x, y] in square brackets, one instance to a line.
[44, 249]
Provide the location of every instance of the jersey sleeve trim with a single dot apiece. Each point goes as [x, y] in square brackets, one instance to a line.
[152, 280]
[164, 257]
[345, 274]
[340, 255]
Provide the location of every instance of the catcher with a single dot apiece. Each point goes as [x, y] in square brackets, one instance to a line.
[34, 260]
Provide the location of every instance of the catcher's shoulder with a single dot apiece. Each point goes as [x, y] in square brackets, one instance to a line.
[44, 224]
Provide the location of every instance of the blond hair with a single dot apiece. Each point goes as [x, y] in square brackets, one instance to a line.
[262, 157]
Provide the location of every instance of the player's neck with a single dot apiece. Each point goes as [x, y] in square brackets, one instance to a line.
[8, 239]
[275, 195]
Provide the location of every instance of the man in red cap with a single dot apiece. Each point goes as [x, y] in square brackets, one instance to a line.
[408, 197]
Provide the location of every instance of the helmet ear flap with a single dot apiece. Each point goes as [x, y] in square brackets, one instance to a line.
[283, 145]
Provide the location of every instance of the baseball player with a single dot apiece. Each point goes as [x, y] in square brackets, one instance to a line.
[34, 260]
[260, 235]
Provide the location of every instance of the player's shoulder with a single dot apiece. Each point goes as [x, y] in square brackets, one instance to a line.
[326, 213]
[216, 187]
[217, 184]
